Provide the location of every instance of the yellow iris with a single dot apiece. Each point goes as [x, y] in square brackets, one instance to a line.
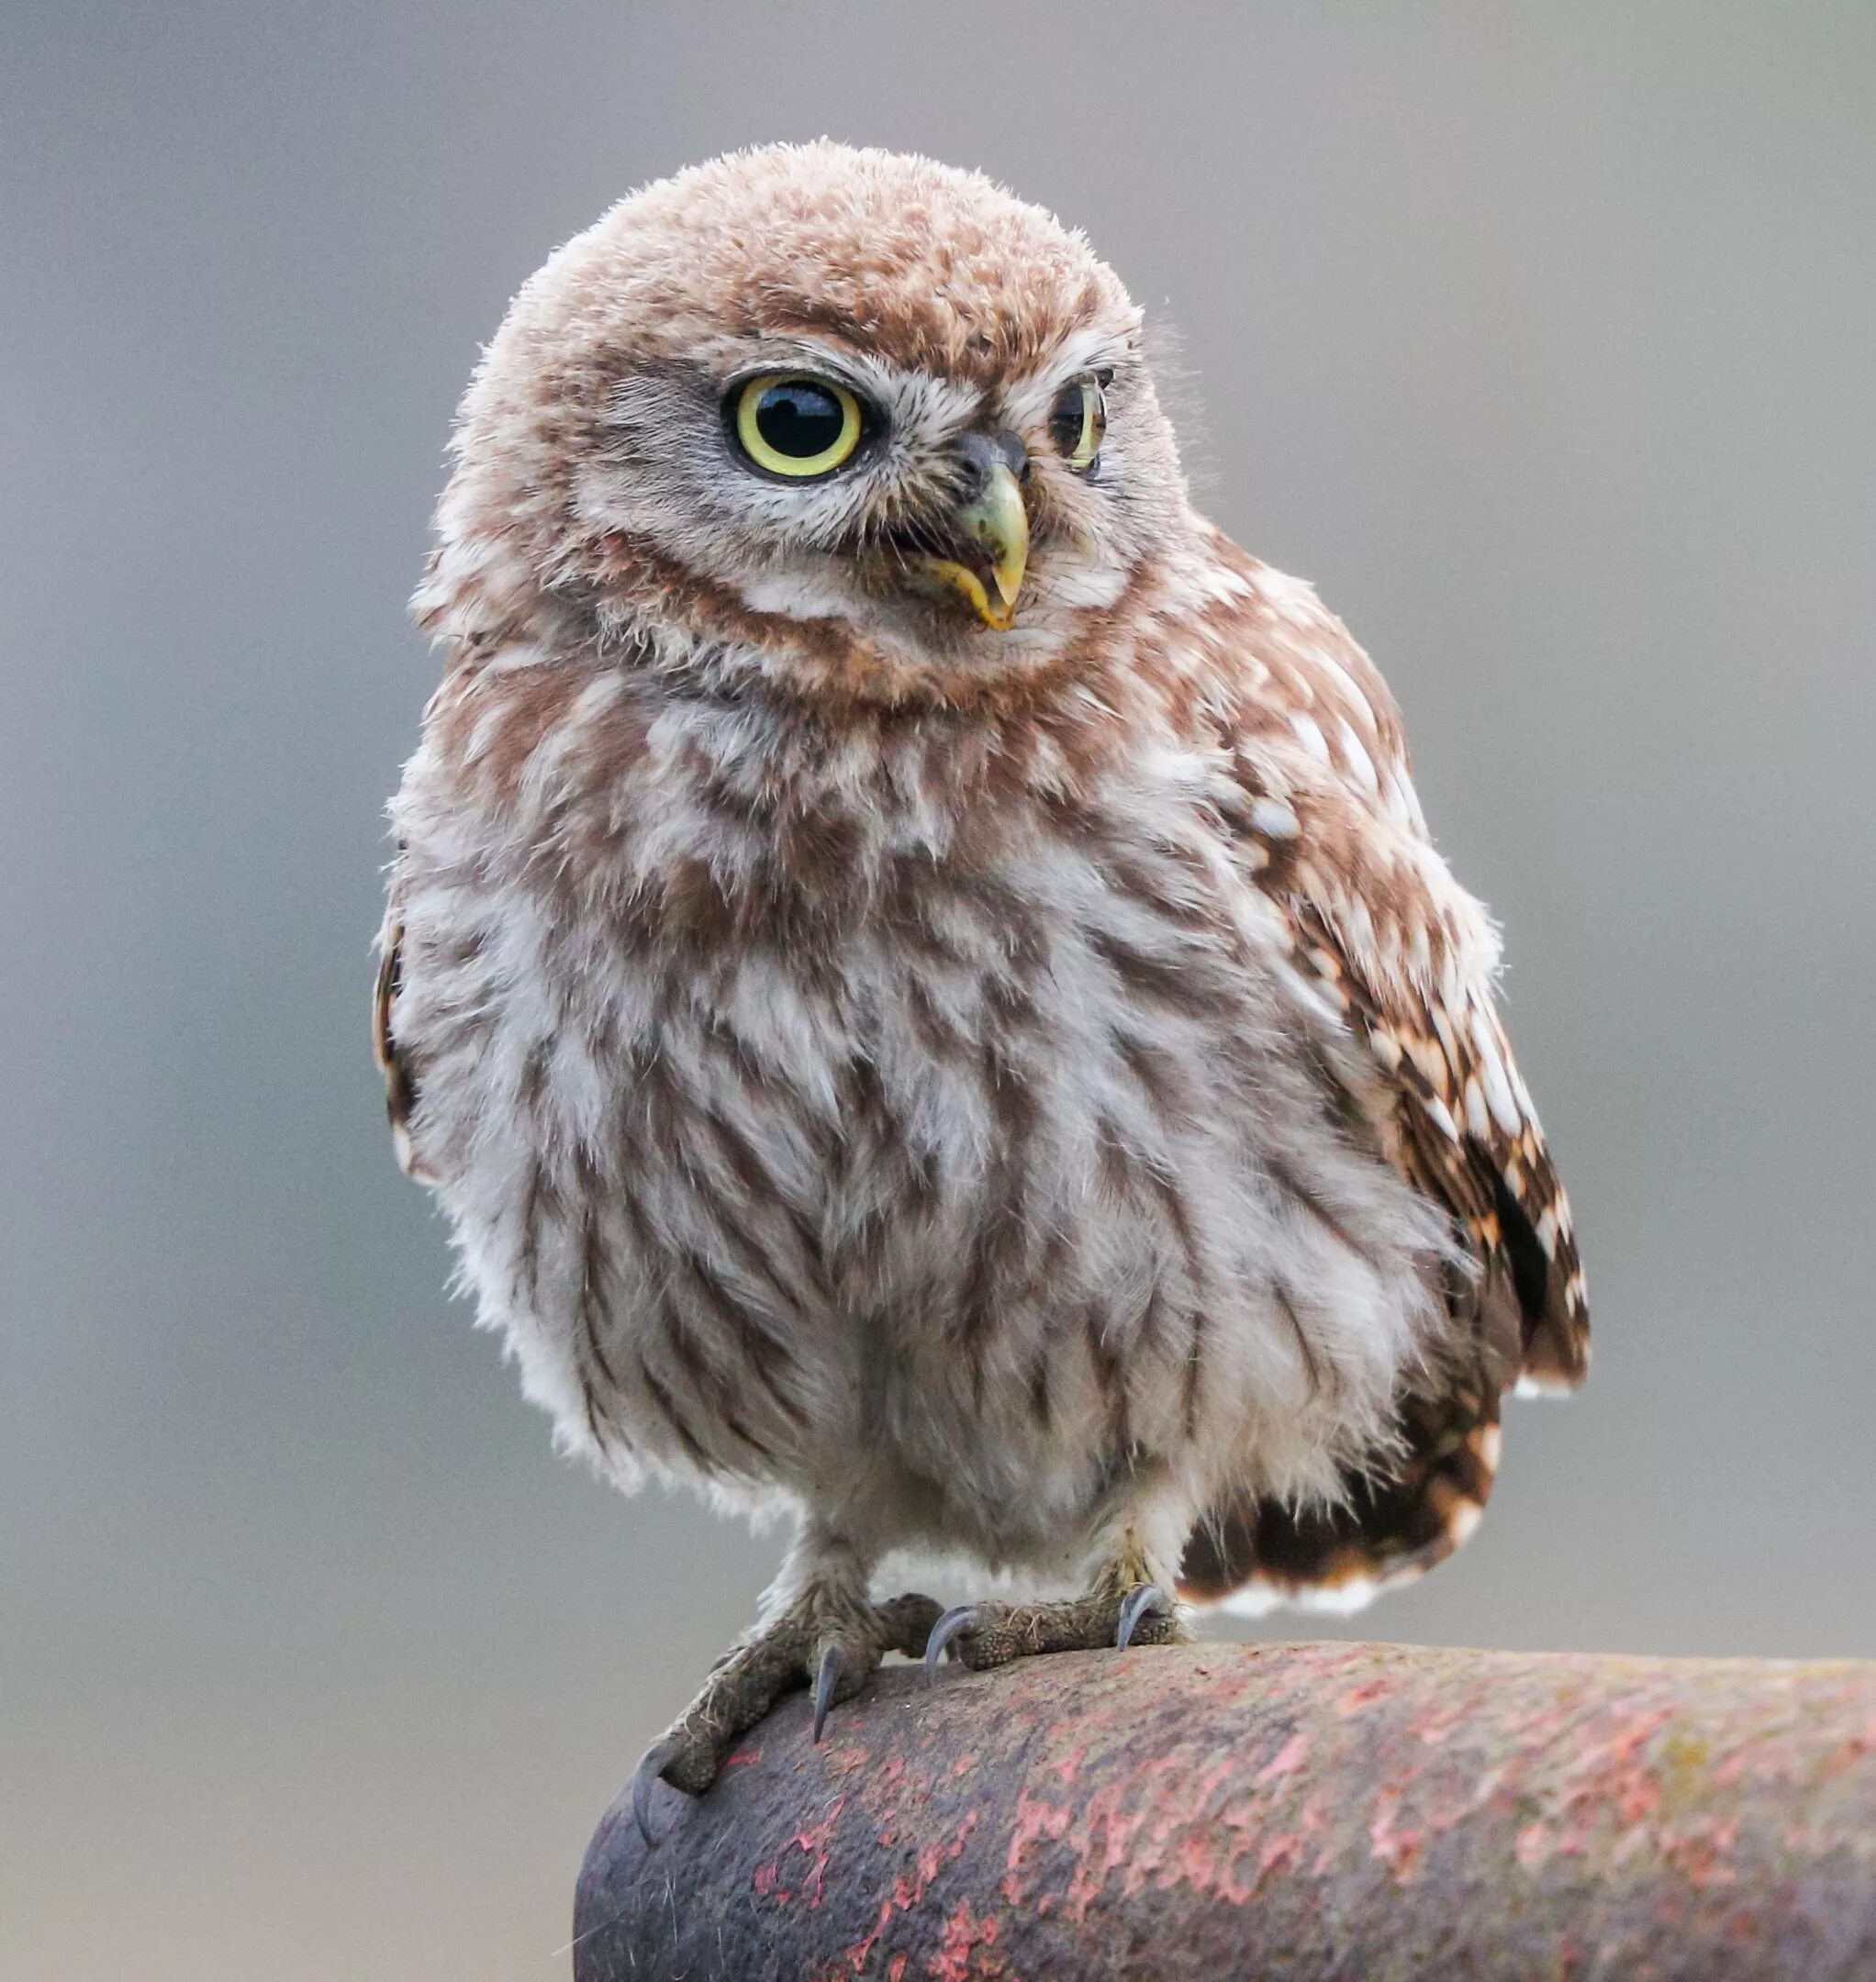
[1079, 422]
[797, 426]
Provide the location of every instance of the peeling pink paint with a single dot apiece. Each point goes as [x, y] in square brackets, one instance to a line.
[1645, 1818]
[1532, 1846]
[1395, 1846]
[908, 1893]
[768, 1878]
[1070, 1765]
[1285, 1762]
[1359, 1699]
[1036, 1821]
[961, 1955]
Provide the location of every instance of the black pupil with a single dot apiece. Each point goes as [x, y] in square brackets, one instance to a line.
[1071, 410]
[799, 418]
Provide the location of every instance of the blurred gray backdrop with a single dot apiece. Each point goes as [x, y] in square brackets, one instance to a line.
[1542, 337]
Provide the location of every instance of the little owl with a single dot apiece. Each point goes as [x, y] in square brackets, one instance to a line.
[915, 967]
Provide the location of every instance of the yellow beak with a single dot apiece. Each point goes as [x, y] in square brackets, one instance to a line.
[997, 523]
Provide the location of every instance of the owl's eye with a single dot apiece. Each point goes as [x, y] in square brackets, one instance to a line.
[1077, 422]
[800, 427]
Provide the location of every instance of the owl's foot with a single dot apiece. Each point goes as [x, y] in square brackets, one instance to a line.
[987, 1634]
[834, 1647]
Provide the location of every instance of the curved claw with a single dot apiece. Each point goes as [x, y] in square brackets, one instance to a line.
[826, 1678]
[952, 1624]
[652, 1764]
[1147, 1598]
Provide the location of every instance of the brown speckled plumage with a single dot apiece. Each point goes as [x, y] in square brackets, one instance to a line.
[1033, 1093]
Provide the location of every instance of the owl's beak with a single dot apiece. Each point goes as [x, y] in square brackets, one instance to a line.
[991, 529]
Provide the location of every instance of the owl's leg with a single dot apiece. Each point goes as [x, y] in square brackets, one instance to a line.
[821, 1629]
[1127, 1603]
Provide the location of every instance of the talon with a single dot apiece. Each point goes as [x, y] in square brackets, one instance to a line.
[652, 1764]
[952, 1624]
[828, 1676]
[1148, 1597]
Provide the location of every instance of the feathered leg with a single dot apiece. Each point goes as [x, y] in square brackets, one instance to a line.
[819, 1628]
[1128, 1601]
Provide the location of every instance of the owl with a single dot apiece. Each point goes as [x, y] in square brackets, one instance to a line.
[915, 967]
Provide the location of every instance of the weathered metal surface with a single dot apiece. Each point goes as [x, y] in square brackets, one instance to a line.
[1339, 1813]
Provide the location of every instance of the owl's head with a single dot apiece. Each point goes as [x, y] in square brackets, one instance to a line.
[850, 415]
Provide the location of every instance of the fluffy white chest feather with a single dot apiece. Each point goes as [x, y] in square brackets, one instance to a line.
[929, 1135]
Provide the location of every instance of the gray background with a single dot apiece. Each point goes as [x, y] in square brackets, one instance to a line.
[1541, 338]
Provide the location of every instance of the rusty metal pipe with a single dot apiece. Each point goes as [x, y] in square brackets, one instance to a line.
[1334, 1812]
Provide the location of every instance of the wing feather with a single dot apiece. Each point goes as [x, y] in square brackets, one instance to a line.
[1387, 942]
[400, 1087]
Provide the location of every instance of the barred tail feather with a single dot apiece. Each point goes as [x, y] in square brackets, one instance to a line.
[1251, 1555]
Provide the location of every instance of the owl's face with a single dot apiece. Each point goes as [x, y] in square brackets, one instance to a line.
[811, 400]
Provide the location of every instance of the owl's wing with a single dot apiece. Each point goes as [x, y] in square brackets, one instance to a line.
[400, 1089]
[1398, 961]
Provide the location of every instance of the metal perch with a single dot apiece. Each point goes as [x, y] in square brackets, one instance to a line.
[1334, 1812]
